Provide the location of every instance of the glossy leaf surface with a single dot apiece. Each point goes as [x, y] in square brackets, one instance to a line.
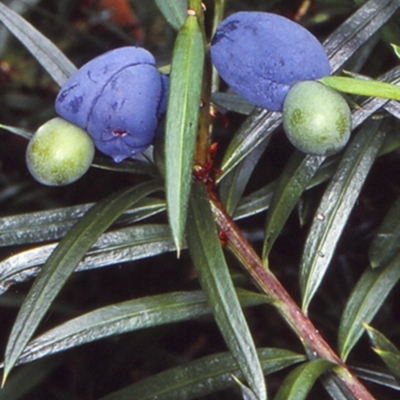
[369, 88]
[112, 248]
[181, 122]
[299, 382]
[62, 263]
[174, 11]
[216, 282]
[386, 243]
[293, 181]
[335, 207]
[386, 350]
[125, 317]
[365, 301]
[201, 377]
[43, 226]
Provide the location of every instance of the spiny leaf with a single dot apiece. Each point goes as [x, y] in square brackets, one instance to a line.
[216, 282]
[181, 122]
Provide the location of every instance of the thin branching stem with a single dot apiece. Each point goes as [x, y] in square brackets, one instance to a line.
[291, 312]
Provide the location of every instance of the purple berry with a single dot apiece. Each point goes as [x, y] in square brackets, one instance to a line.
[261, 55]
[118, 99]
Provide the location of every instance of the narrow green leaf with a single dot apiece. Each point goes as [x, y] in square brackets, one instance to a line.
[202, 377]
[20, 8]
[129, 166]
[44, 226]
[63, 262]
[385, 349]
[380, 341]
[181, 122]
[260, 200]
[372, 104]
[357, 30]
[232, 187]
[336, 388]
[232, 102]
[396, 49]
[125, 317]
[174, 11]
[22, 384]
[375, 375]
[365, 301]
[340, 46]
[216, 282]
[300, 381]
[123, 245]
[292, 182]
[335, 207]
[257, 128]
[392, 361]
[386, 243]
[247, 394]
[370, 88]
[47, 53]
[255, 202]
[15, 130]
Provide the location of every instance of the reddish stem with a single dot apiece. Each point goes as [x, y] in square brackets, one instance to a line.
[291, 312]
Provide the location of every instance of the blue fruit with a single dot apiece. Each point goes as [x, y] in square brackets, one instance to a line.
[118, 99]
[261, 55]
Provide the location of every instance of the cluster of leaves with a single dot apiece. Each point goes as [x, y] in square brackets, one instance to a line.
[344, 252]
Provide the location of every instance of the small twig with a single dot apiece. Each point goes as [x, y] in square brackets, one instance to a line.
[291, 312]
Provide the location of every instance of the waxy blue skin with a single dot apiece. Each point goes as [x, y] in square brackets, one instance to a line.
[118, 99]
[261, 55]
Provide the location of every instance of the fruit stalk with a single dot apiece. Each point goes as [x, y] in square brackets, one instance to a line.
[290, 311]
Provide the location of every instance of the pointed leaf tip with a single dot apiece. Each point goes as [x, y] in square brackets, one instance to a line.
[181, 122]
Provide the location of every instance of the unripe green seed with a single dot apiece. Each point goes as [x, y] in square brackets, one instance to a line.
[59, 153]
[316, 119]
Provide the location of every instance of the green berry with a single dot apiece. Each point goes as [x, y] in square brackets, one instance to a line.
[316, 119]
[59, 153]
